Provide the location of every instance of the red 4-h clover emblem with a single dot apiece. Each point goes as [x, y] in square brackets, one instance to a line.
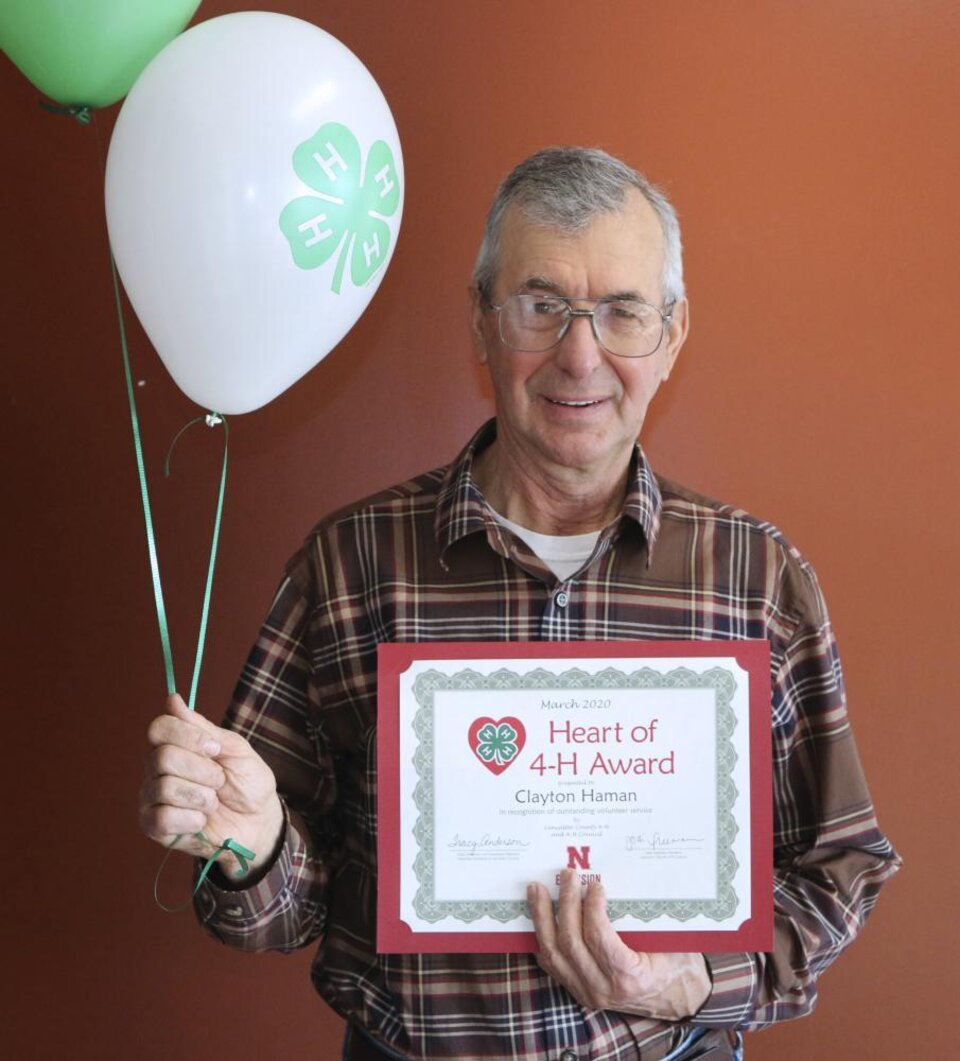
[497, 743]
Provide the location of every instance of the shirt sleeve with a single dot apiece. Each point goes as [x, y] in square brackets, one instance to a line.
[284, 906]
[830, 858]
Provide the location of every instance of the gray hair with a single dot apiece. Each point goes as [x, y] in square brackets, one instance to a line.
[566, 188]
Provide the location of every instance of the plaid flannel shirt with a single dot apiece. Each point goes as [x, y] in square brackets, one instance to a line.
[427, 561]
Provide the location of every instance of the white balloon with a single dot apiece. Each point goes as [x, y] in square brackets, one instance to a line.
[254, 191]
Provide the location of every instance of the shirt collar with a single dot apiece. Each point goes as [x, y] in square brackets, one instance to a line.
[462, 509]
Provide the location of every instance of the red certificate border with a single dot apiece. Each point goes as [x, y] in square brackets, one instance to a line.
[394, 936]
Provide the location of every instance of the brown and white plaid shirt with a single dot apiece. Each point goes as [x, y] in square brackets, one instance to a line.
[427, 561]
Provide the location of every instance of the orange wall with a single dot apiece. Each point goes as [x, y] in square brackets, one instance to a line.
[812, 151]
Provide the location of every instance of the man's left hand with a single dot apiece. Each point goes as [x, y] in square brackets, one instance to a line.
[581, 949]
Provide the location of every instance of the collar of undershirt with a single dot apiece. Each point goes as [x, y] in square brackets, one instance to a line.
[553, 546]
[462, 509]
[563, 554]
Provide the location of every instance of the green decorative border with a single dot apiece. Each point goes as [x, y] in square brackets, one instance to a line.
[718, 908]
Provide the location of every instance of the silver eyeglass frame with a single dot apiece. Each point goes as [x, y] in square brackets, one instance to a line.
[665, 314]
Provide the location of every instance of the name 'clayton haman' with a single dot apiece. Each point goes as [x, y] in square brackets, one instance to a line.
[585, 795]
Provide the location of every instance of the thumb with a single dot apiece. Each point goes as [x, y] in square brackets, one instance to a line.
[230, 742]
[177, 707]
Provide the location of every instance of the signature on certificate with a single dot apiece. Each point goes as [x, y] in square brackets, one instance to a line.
[657, 841]
[487, 842]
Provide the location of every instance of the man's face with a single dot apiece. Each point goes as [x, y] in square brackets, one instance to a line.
[542, 418]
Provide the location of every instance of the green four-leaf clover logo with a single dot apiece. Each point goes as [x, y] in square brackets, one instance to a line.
[497, 744]
[348, 211]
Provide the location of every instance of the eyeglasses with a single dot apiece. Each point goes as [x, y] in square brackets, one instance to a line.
[625, 327]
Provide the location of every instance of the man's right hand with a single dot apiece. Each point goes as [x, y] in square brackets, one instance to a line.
[201, 778]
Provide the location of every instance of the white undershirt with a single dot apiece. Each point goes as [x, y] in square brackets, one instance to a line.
[562, 553]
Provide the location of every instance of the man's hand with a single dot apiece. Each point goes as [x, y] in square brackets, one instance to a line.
[580, 948]
[201, 778]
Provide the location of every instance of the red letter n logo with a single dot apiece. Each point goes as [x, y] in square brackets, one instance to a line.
[578, 856]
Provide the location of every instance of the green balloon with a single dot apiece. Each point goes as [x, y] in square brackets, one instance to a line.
[88, 51]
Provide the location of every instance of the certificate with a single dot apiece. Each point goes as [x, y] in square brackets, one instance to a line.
[644, 766]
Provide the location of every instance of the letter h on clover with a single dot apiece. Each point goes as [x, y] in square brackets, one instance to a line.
[348, 211]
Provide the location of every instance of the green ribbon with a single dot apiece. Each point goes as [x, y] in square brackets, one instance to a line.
[211, 420]
[145, 496]
[241, 853]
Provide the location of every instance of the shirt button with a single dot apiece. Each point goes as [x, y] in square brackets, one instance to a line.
[568, 1055]
[562, 599]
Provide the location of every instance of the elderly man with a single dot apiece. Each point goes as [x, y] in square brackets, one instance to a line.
[550, 525]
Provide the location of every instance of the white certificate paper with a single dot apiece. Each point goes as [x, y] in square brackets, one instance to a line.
[642, 765]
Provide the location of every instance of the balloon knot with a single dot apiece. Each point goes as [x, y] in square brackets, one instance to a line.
[213, 419]
[81, 112]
